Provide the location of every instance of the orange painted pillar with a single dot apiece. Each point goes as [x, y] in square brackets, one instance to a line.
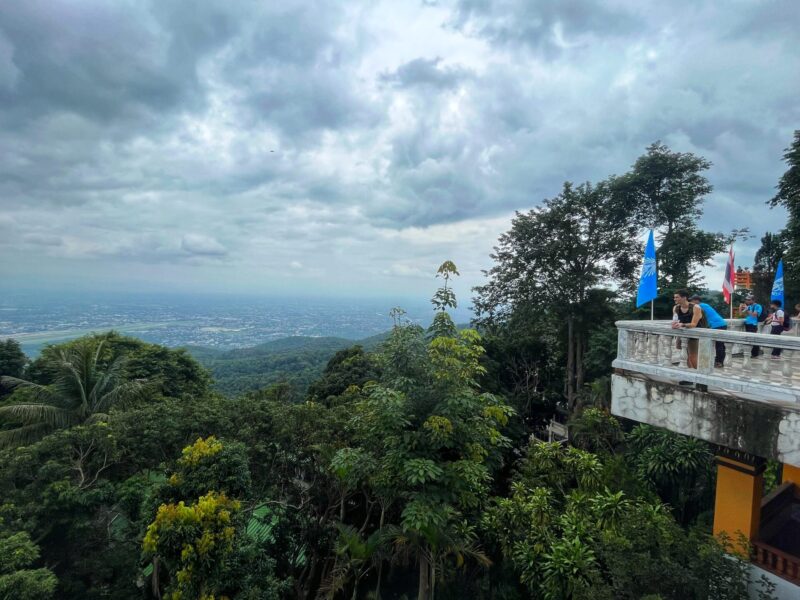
[791, 473]
[737, 506]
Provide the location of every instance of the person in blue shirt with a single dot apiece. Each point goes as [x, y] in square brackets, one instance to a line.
[715, 321]
[752, 312]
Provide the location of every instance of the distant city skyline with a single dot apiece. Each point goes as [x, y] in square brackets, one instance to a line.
[348, 148]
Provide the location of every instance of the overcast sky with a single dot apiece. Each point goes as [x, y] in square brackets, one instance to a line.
[349, 148]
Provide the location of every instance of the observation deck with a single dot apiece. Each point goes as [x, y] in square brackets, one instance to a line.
[749, 405]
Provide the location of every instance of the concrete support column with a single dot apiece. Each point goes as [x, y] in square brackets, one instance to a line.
[737, 506]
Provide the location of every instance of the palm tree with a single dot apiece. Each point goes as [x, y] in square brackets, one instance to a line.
[432, 549]
[356, 556]
[82, 391]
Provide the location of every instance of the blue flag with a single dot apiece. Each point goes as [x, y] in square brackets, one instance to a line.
[777, 287]
[648, 288]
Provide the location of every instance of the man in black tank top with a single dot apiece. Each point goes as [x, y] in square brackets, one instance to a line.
[689, 316]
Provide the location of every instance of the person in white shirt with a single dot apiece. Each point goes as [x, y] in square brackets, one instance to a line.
[775, 321]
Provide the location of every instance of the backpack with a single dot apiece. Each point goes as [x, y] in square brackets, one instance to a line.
[787, 321]
[764, 314]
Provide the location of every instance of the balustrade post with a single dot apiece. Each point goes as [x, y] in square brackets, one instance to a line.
[622, 344]
[706, 355]
[787, 363]
[729, 349]
[666, 342]
[684, 357]
[747, 360]
[652, 347]
[735, 348]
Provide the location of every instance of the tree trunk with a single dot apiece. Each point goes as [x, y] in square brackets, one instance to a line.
[424, 579]
[380, 564]
[316, 573]
[433, 581]
[378, 585]
[570, 363]
[156, 584]
[579, 371]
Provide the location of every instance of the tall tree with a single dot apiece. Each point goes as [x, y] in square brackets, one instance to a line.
[788, 196]
[435, 439]
[772, 250]
[552, 261]
[668, 189]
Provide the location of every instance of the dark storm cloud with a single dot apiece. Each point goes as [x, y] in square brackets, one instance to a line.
[109, 61]
[293, 73]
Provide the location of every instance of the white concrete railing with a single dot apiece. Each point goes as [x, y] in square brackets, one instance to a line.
[652, 348]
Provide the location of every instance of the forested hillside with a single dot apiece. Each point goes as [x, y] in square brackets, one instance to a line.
[296, 361]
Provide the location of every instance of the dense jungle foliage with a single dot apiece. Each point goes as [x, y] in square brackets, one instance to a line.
[406, 469]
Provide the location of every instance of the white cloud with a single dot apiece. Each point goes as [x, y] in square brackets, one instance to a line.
[204, 245]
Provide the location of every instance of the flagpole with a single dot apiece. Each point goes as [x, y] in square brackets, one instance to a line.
[651, 310]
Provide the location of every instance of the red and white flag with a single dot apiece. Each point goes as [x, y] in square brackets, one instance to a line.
[727, 285]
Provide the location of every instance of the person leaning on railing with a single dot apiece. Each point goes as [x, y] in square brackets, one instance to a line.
[714, 321]
[689, 316]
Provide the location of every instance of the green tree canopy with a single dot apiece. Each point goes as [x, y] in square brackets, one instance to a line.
[667, 190]
[17, 580]
[788, 196]
[349, 367]
[568, 536]
[81, 389]
[12, 361]
[177, 373]
[12, 358]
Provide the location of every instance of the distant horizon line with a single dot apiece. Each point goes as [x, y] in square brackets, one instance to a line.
[82, 294]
